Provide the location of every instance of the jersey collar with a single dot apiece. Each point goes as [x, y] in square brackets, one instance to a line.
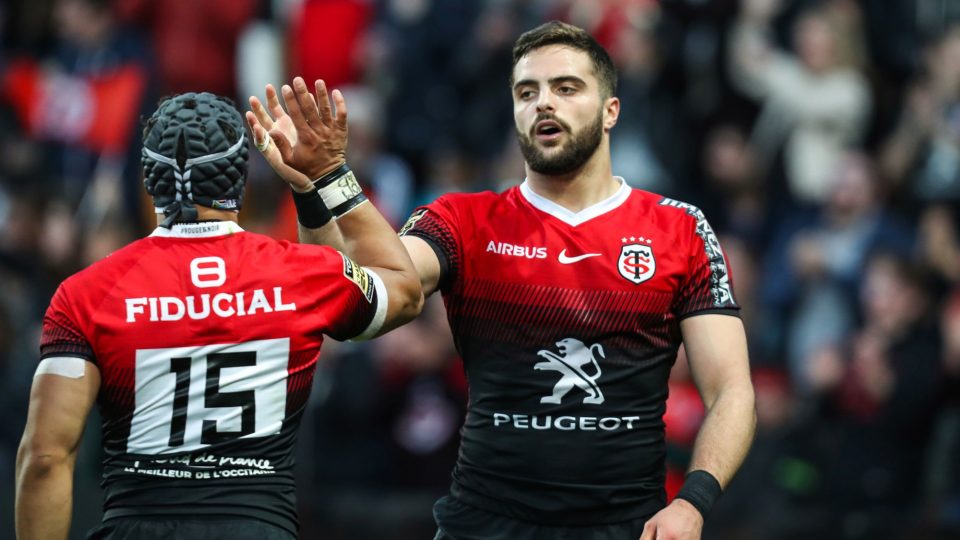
[204, 229]
[576, 218]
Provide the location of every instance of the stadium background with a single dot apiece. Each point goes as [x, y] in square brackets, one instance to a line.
[822, 139]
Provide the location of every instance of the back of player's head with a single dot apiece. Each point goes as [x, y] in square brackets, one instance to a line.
[195, 152]
[560, 33]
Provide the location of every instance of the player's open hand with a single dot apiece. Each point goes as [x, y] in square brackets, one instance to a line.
[321, 142]
[267, 123]
[680, 520]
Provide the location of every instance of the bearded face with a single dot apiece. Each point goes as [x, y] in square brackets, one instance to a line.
[551, 147]
[560, 111]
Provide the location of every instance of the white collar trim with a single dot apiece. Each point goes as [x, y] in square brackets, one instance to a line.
[206, 229]
[576, 218]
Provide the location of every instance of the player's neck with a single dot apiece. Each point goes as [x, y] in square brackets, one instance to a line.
[582, 188]
[208, 214]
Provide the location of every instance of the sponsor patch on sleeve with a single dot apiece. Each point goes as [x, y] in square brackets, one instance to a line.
[355, 273]
[412, 220]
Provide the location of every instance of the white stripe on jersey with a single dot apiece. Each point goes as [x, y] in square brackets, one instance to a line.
[381, 315]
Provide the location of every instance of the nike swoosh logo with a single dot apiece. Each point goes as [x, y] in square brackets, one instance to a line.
[570, 260]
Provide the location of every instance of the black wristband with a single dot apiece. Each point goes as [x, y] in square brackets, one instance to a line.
[331, 176]
[311, 212]
[701, 490]
[349, 205]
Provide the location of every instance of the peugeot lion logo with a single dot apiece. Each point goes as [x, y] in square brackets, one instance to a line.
[574, 354]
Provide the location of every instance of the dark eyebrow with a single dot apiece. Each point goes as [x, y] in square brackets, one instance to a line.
[524, 82]
[568, 79]
[553, 81]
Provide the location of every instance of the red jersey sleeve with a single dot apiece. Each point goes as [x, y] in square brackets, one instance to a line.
[61, 336]
[437, 223]
[707, 286]
[356, 303]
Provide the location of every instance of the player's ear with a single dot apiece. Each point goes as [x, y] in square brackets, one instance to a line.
[611, 112]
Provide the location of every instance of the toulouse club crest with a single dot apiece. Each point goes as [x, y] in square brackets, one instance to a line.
[636, 263]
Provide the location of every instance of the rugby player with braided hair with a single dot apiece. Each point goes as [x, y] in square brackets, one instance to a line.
[199, 344]
[568, 297]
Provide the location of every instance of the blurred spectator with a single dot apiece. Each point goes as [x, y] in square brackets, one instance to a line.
[893, 35]
[950, 329]
[85, 101]
[424, 395]
[422, 39]
[335, 53]
[943, 468]
[22, 271]
[882, 388]
[451, 170]
[816, 102]
[922, 155]
[650, 150]
[25, 26]
[195, 42]
[745, 272]
[934, 16]
[387, 425]
[938, 241]
[732, 193]
[389, 176]
[815, 261]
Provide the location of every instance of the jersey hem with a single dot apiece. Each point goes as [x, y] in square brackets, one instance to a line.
[733, 312]
[194, 512]
[571, 517]
[88, 358]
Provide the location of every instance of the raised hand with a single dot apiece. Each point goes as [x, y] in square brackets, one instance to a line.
[273, 119]
[305, 141]
[321, 144]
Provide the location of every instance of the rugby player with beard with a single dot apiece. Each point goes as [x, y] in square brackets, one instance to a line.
[568, 297]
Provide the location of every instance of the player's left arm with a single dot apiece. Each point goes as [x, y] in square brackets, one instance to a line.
[716, 348]
[59, 405]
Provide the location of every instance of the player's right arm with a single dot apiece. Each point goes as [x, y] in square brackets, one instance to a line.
[426, 262]
[432, 236]
[59, 405]
[318, 148]
[371, 241]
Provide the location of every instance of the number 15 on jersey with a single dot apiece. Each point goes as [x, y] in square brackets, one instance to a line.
[188, 398]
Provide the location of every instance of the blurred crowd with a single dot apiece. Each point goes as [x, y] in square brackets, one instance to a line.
[820, 137]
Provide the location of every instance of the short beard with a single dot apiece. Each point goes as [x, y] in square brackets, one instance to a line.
[581, 147]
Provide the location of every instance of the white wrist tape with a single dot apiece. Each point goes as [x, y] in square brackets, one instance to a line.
[340, 191]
